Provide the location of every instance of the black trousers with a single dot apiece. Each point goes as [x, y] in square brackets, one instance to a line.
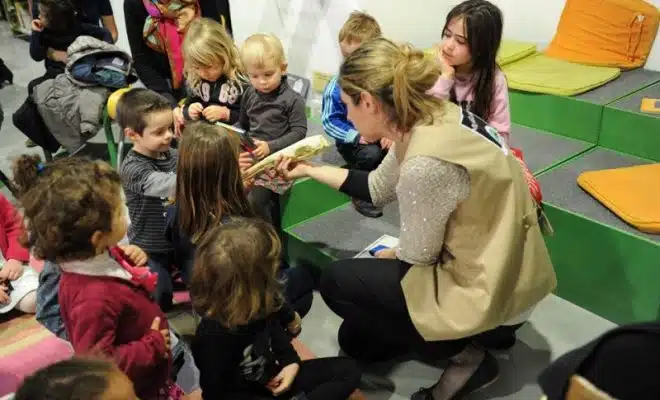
[365, 157]
[28, 120]
[266, 204]
[367, 294]
[333, 378]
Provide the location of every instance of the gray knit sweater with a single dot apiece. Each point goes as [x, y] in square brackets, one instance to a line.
[428, 191]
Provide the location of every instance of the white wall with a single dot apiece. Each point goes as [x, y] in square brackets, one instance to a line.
[309, 28]
[118, 10]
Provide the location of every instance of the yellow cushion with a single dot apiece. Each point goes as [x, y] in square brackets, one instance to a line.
[542, 74]
[514, 50]
[113, 100]
[510, 51]
[631, 193]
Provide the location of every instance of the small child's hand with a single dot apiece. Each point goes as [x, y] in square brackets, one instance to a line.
[216, 113]
[195, 110]
[294, 327]
[12, 270]
[282, 381]
[245, 160]
[37, 25]
[262, 150]
[155, 326]
[385, 143]
[4, 295]
[179, 121]
[137, 256]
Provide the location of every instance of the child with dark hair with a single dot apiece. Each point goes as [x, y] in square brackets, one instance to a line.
[467, 59]
[148, 177]
[75, 217]
[210, 192]
[240, 347]
[57, 26]
[53, 31]
[77, 378]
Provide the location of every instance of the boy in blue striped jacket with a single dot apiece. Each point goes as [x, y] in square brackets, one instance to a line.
[358, 154]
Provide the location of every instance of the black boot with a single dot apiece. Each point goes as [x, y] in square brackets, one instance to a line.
[5, 74]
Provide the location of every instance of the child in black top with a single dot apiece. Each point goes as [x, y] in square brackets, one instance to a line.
[240, 348]
[212, 69]
[56, 27]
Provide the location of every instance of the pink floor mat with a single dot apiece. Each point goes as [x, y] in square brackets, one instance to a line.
[26, 346]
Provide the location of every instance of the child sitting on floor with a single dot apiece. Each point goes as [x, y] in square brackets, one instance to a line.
[212, 69]
[272, 113]
[18, 281]
[241, 349]
[75, 216]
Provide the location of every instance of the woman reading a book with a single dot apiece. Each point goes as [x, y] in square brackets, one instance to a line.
[471, 261]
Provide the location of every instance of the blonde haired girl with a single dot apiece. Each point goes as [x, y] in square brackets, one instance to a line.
[213, 73]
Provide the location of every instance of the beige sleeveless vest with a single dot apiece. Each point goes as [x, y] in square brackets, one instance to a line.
[495, 264]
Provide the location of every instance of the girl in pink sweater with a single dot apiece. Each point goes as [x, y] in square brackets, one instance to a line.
[470, 76]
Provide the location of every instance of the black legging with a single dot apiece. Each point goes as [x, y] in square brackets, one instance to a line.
[367, 294]
[318, 379]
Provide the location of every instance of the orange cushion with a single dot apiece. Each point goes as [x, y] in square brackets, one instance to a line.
[631, 193]
[611, 33]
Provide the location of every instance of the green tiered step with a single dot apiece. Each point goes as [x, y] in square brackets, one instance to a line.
[577, 117]
[602, 263]
[308, 198]
[626, 128]
[543, 150]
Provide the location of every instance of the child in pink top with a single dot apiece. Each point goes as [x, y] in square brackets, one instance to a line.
[470, 75]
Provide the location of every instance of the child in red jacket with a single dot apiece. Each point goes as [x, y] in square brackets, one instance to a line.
[18, 282]
[75, 217]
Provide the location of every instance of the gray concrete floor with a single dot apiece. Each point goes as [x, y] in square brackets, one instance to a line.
[555, 327]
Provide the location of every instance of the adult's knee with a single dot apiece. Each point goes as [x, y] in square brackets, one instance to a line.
[336, 284]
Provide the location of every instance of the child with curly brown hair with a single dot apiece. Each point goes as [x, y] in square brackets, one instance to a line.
[75, 217]
[240, 347]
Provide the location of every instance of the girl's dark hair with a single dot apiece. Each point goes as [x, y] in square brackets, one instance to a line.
[61, 15]
[73, 379]
[208, 179]
[234, 279]
[64, 203]
[483, 27]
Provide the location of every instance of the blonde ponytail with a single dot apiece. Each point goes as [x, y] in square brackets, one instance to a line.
[398, 75]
